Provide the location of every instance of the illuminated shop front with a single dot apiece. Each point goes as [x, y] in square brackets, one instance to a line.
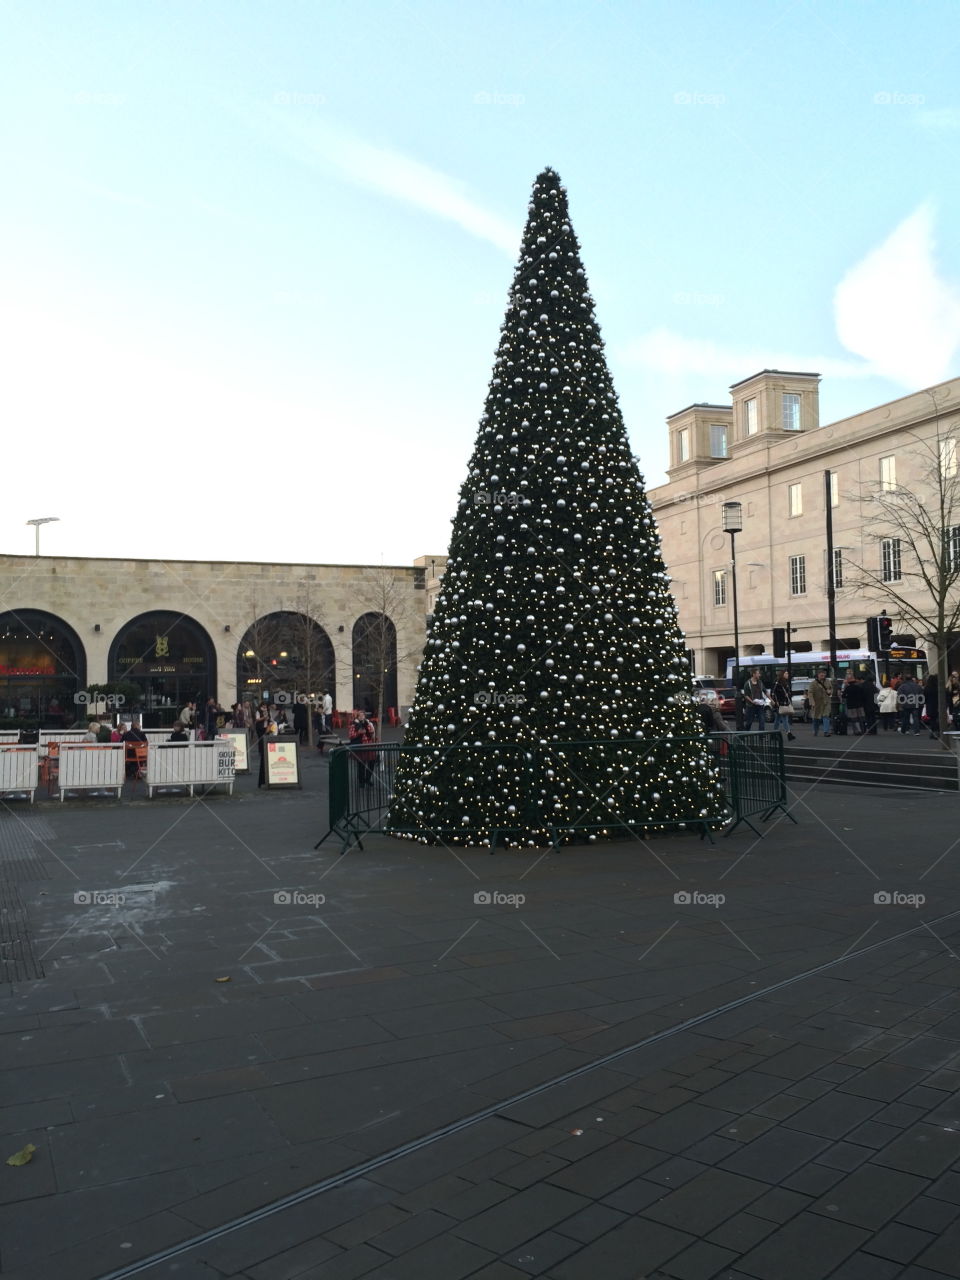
[42, 669]
[170, 658]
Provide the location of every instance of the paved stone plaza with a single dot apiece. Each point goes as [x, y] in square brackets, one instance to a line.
[762, 1087]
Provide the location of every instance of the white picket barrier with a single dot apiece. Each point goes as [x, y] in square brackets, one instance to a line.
[190, 764]
[9, 735]
[19, 769]
[61, 735]
[163, 735]
[91, 767]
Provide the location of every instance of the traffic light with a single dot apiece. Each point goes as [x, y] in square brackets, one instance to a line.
[879, 632]
[779, 642]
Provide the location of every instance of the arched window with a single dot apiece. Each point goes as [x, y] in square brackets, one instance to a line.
[374, 663]
[171, 659]
[285, 652]
[43, 667]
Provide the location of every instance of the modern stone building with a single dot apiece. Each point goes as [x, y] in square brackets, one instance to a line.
[767, 450]
[179, 630]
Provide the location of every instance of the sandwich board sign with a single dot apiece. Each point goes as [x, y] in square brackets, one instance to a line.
[281, 762]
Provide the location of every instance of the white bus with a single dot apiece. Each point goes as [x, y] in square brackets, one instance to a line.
[883, 666]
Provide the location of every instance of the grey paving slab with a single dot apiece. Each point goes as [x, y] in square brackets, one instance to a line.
[342, 1056]
[806, 1248]
[614, 1256]
[521, 1217]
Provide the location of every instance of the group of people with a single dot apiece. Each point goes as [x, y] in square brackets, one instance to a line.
[899, 704]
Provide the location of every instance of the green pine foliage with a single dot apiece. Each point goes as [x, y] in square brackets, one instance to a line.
[554, 623]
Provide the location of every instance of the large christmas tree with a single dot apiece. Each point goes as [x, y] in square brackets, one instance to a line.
[555, 623]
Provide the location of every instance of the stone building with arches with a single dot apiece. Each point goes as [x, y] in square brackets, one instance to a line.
[177, 631]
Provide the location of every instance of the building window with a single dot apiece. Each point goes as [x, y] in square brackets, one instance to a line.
[948, 458]
[890, 570]
[798, 575]
[795, 492]
[791, 412]
[837, 569]
[683, 445]
[888, 474]
[718, 440]
[750, 416]
[834, 489]
[951, 539]
[720, 587]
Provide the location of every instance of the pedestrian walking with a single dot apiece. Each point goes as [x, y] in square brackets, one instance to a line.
[819, 694]
[755, 700]
[854, 702]
[870, 711]
[301, 720]
[327, 712]
[953, 699]
[931, 704]
[362, 733]
[783, 703]
[909, 702]
[887, 707]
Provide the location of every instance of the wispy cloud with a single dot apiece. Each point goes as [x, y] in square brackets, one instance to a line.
[892, 310]
[673, 353]
[312, 139]
[943, 119]
[895, 310]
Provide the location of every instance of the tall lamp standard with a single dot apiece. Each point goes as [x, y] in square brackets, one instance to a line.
[36, 526]
[831, 603]
[732, 517]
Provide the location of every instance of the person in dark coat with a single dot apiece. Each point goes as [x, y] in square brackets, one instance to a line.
[909, 700]
[871, 711]
[931, 704]
[301, 722]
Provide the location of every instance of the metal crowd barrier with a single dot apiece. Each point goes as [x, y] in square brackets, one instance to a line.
[753, 774]
[748, 766]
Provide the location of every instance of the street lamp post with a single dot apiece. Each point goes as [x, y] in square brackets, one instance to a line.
[36, 526]
[733, 524]
[831, 605]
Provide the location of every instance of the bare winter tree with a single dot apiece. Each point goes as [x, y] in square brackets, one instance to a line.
[390, 631]
[914, 531]
[290, 649]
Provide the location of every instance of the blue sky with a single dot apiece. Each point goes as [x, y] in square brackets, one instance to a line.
[256, 257]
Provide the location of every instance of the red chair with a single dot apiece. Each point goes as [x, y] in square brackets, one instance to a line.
[392, 718]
